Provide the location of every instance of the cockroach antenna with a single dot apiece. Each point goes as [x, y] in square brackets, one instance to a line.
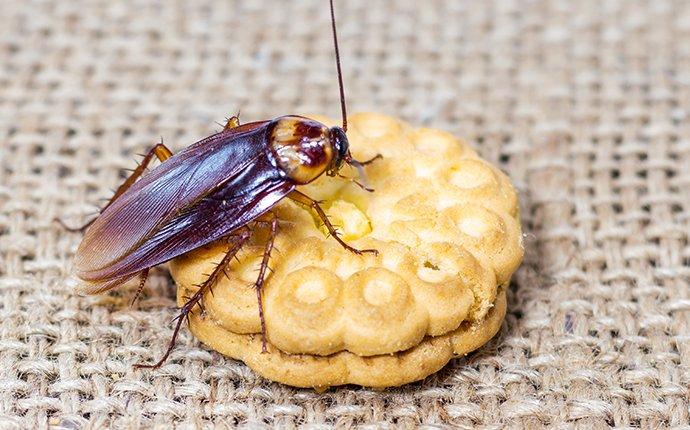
[340, 72]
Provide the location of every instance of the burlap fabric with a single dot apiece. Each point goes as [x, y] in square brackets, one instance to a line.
[585, 104]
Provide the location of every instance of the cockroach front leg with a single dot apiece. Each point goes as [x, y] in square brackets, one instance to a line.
[238, 241]
[160, 151]
[258, 285]
[308, 201]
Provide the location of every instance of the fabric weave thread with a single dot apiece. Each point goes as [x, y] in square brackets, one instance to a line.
[585, 104]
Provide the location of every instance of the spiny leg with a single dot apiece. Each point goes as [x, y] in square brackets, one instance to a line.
[195, 299]
[143, 275]
[361, 185]
[371, 160]
[308, 201]
[258, 285]
[159, 150]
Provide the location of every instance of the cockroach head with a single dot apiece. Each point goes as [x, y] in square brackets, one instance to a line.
[342, 150]
[304, 149]
[341, 147]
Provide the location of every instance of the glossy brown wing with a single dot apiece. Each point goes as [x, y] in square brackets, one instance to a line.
[202, 193]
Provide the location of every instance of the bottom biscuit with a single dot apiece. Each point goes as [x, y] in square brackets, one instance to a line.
[321, 372]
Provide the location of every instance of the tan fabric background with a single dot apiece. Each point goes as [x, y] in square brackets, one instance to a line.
[585, 104]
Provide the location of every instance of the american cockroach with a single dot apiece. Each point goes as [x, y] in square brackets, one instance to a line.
[220, 188]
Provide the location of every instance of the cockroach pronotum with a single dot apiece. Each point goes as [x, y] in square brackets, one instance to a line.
[220, 188]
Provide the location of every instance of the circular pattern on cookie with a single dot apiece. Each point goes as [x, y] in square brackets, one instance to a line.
[445, 223]
[379, 371]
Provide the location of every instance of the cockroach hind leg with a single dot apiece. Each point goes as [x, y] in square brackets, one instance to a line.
[79, 229]
[143, 276]
[185, 310]
[196, 298]
[180, 318]
[258, 285]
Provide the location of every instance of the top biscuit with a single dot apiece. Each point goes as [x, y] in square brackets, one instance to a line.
[445, 224]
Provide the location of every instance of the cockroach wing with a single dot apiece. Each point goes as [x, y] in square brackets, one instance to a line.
[197, 196]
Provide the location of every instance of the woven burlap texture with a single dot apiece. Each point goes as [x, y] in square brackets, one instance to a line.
[586, 105]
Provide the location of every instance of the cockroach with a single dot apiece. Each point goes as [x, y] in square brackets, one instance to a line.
[220, 188]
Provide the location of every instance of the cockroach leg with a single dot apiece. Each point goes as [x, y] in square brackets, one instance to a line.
[308, 201]
[79, 229]
[241, 238]
[371, 160]
[159, 150]
[143, 276]
[356, 182]
[258, 285]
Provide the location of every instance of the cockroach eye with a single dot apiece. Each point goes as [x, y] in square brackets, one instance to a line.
[341, 146]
